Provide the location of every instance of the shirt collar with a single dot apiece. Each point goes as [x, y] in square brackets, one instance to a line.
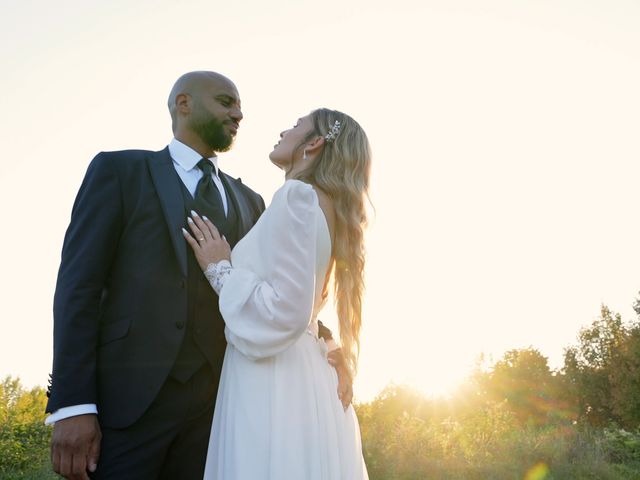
[187, 157]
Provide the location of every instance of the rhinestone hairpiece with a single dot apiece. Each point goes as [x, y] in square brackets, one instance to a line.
[333, 133]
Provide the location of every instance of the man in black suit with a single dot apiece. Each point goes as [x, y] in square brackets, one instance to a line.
[138, 337]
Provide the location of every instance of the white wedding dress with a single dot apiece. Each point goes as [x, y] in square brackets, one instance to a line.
[278, 415]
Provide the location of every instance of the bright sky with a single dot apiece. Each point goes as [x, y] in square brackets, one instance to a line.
[505, 139]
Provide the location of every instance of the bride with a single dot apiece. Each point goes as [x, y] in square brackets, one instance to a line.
[278, 415]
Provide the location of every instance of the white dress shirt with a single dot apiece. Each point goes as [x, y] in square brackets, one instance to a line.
[185, 161]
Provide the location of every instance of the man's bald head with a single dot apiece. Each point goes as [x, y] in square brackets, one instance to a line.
[194, 84]
[205, 111]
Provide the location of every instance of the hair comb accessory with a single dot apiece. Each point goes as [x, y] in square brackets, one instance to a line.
[333, 133]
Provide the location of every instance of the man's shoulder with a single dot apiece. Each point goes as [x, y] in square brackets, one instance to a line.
[127, 159]
[243, 187]
[129, 155]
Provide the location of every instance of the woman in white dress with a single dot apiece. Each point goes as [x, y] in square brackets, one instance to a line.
[278, 415]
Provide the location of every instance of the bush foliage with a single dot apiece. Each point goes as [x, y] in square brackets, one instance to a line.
[24, 439]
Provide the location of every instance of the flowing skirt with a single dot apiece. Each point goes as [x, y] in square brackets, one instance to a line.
[280, 418]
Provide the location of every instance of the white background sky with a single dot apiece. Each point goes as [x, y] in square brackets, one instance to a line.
[505, 139]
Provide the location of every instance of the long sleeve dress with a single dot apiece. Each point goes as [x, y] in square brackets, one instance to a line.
[278, 415]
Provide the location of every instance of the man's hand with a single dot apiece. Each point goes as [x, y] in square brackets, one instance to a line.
[75, 446]
[345, 382]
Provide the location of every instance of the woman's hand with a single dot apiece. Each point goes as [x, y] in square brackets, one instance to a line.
[205, 240]
[345, 382]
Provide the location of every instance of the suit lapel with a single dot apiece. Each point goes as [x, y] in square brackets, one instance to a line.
[245, 218]
[167, 186]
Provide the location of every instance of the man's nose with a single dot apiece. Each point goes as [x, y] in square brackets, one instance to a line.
[236, 114]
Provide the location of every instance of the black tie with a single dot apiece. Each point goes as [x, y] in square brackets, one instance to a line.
[207, 200]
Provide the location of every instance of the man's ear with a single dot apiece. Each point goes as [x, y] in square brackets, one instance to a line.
[183, 103]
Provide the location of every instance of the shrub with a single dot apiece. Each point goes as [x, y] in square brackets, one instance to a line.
[24, 439]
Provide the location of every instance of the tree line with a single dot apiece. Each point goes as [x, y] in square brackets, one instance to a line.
[516, 418]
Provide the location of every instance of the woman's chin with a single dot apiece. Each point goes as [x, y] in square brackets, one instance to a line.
[274, 160]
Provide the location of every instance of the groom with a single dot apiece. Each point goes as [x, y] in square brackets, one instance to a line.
[138, 337]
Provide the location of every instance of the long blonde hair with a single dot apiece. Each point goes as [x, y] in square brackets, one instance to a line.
[341, 170]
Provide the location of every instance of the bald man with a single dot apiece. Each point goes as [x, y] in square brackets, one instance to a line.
[138, 337]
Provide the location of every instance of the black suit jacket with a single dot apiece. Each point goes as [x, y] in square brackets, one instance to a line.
[120, 304]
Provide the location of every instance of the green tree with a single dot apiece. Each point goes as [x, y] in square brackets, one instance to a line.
[624, 377]
[523, 378]
[589, 367]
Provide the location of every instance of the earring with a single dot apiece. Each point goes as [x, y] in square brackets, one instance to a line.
[304, 155]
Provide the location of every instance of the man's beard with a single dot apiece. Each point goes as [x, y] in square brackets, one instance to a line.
[211, 131]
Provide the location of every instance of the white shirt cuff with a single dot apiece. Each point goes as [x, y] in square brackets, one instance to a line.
[73, 411]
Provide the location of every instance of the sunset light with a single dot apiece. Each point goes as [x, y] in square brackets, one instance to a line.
[505, 167]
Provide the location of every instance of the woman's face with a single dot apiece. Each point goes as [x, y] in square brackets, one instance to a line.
[288, 149]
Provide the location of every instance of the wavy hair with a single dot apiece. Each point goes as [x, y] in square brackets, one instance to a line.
[341, 170]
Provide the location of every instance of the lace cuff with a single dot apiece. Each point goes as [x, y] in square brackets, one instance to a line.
[217, 273]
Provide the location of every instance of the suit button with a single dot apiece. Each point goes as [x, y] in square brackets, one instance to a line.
[179, 324]
[198, 331]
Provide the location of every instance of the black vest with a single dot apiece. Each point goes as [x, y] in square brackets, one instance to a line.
[204, 330]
